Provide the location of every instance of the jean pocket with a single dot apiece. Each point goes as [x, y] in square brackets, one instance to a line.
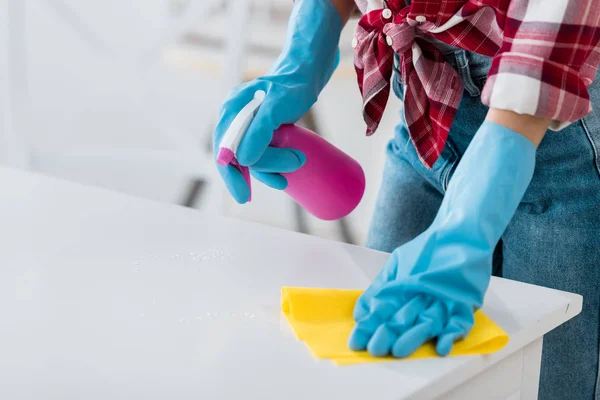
[402, 147]
[473, 69]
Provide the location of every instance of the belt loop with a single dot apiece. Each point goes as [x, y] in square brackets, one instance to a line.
[463, 69]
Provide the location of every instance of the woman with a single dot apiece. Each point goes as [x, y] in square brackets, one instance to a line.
[494, 168]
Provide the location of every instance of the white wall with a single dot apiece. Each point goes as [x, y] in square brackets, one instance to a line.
[12, 150]
[5, 122]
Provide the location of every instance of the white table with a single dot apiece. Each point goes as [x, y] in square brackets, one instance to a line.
[105, 296]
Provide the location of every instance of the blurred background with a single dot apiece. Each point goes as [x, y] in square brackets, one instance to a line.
[124, 94]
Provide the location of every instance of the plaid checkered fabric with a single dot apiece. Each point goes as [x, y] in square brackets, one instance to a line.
[545, 56]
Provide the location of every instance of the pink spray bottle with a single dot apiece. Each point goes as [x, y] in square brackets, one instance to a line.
[329, 185]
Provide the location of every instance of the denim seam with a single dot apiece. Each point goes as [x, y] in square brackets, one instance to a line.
[445, 177]
[481, 83]
[471, 87]
[593, 144]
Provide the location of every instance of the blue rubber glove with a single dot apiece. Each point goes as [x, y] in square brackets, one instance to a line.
[432, 285]
[292, 85]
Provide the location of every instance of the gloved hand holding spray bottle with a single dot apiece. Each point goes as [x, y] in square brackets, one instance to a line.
[255, 136]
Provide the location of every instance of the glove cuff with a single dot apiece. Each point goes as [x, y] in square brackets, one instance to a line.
[311, 47]
[488, 184]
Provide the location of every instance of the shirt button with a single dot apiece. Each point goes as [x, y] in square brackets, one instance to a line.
[387, 13]
[389, 40]
[354, 42]
[421, 18]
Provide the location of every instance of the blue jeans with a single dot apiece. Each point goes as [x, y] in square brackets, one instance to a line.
[553, 239]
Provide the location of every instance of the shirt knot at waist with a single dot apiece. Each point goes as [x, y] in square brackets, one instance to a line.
[393, 28]
[435, 88]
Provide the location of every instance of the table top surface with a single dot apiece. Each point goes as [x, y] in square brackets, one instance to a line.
[107, 296]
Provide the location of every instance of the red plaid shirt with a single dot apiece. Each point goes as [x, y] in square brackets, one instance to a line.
[545, 56]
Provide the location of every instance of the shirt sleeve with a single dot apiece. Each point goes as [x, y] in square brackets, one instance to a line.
[548, 59]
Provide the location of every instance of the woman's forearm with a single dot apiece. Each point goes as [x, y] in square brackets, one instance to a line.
[533, 128]
[344, 7]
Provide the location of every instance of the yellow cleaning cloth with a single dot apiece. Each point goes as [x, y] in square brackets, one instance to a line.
[322, 318]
